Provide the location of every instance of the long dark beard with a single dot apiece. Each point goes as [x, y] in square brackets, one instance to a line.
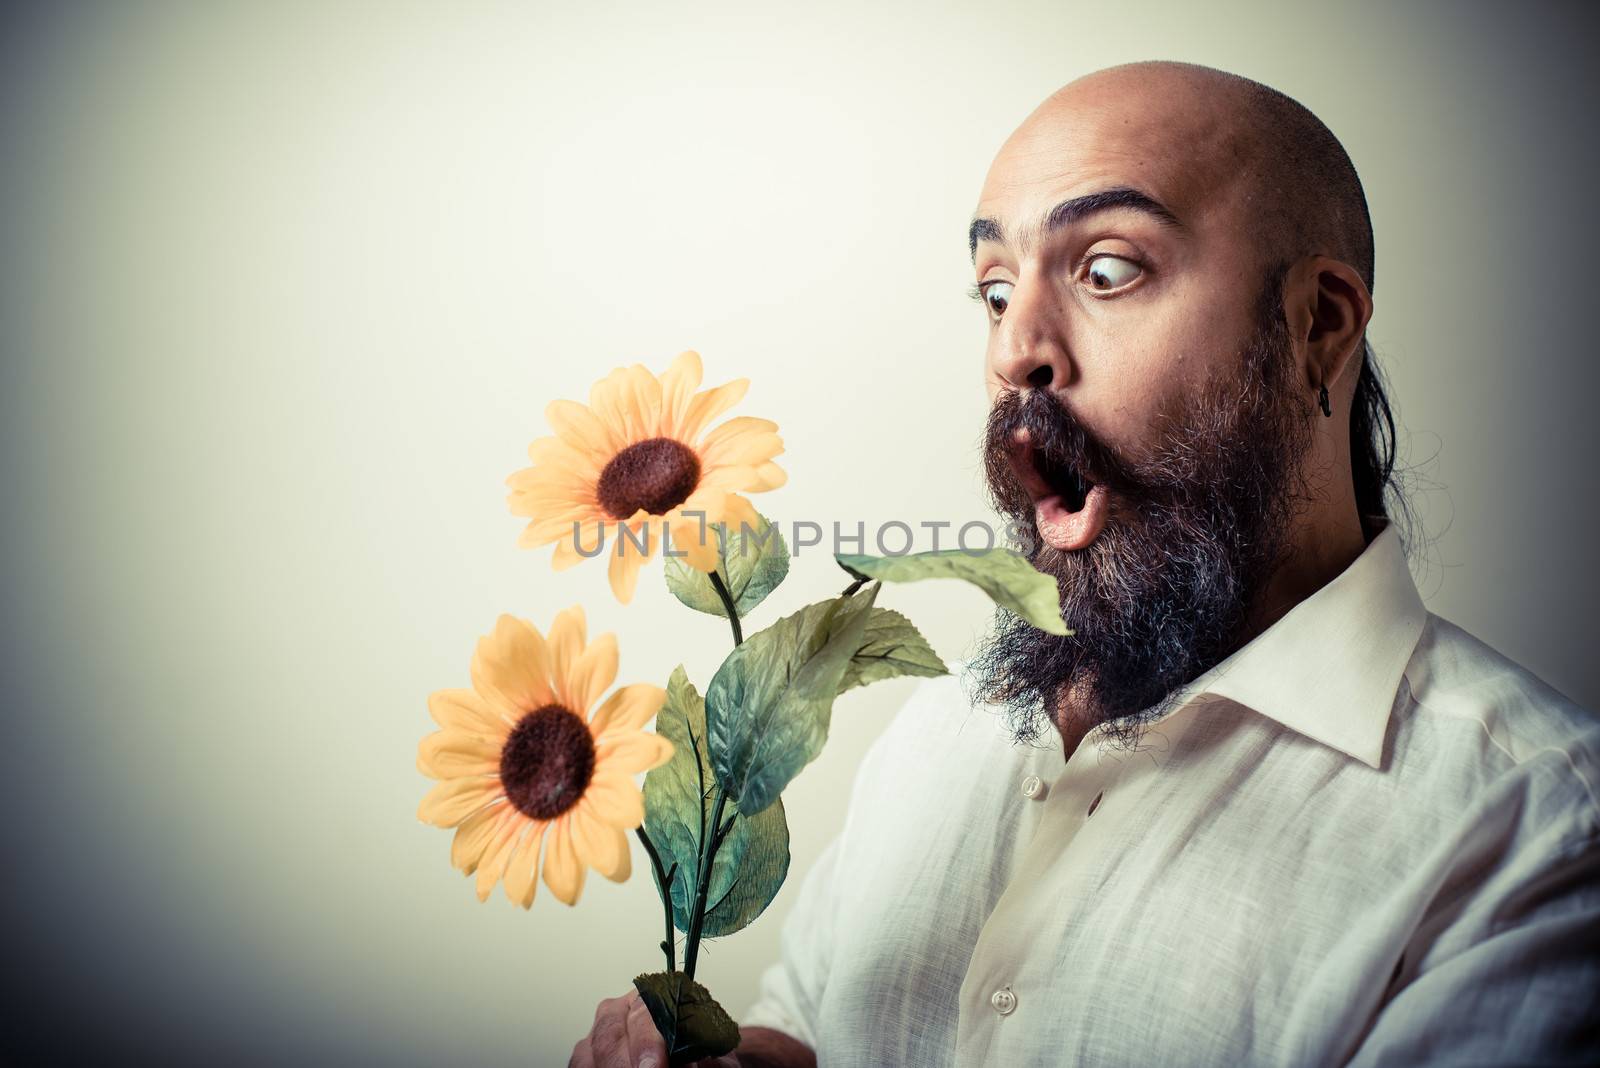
[1194, 533]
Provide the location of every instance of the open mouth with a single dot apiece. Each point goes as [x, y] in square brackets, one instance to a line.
[1069, 506]
[1063, 480]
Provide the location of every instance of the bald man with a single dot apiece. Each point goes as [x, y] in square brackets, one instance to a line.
[1261, 807]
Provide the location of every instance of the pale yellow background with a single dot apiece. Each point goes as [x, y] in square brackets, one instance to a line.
[287, 287]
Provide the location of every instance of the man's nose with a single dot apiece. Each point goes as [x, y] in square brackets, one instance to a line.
[1031, 350]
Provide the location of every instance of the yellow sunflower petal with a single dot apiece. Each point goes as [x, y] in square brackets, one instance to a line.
[741, 440]
[512, 664]
[522, 871]
[591, 538]
[557, 462]
[678, 384]
[616, 799]
[738, 426]
[714, 504]
[644, 401]
[576, 425]
[592, 674]
[630, 708]
[568, 635]
[563, 872]
[750, 450]
[599, 845]
[542, 499]
[473, 836]
[547, 506]
[769, 476]
[623, 573]
[559, 473]
[726, 478]
[693, 538]
[497, 855]
[466, 710]
[449, 754]
[611, 400]
[708, 405]
[738, 512]
[453, 800]
[641, 537]
[560, 526]
[629, 751]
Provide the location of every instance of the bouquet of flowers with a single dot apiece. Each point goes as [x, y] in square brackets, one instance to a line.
[535, 754]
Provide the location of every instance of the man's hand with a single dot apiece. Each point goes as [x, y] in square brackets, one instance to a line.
[624, 1036]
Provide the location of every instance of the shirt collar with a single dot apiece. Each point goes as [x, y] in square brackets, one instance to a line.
[1329, 668]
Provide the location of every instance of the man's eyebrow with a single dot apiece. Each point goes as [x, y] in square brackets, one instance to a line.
[1070, 211]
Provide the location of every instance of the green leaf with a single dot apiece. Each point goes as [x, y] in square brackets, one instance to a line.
[749, 870]
[751, 562]
[692, 1025]
[891, 647]
[1006, 576]
[769, 705]
[753, 860]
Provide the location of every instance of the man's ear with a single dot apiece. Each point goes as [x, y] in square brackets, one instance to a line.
[1327, 307]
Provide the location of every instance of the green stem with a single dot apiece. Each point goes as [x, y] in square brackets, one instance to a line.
[711, 836]
[664, 884]
[727, 606]
[854, 586]
[691, 949]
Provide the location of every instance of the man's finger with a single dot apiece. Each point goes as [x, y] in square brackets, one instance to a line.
[644, 1041]
[582, 1055]
[609, 1037]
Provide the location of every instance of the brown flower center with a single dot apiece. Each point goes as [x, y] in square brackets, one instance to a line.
[656, 475]
[547, 762]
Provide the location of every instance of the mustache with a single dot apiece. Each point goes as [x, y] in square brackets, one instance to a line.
[1059, 441]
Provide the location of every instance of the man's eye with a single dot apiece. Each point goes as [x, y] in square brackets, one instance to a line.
[996, 296]
[1111, 272]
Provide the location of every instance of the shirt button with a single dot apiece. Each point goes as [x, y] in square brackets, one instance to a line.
[1004, 1001]
[1034, 787]
[1094, 804]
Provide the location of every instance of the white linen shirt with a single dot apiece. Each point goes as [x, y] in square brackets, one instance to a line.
[1365, 838]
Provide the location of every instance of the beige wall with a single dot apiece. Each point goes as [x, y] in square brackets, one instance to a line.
[287, 288]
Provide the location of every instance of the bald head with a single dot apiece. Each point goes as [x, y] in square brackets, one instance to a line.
[1307, 191]
[1213, 141]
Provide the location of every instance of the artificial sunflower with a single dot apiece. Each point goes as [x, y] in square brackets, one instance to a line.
[521, 761]
[638, 456]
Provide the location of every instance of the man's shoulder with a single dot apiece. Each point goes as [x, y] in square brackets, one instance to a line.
[1453, 672]
[1461, 686]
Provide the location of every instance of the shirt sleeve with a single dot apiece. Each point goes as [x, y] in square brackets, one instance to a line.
[1528, 993]
[790, 991]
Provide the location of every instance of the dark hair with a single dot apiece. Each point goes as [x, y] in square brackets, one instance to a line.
[1373, 441]
[1372, 445]
[1314, 202]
